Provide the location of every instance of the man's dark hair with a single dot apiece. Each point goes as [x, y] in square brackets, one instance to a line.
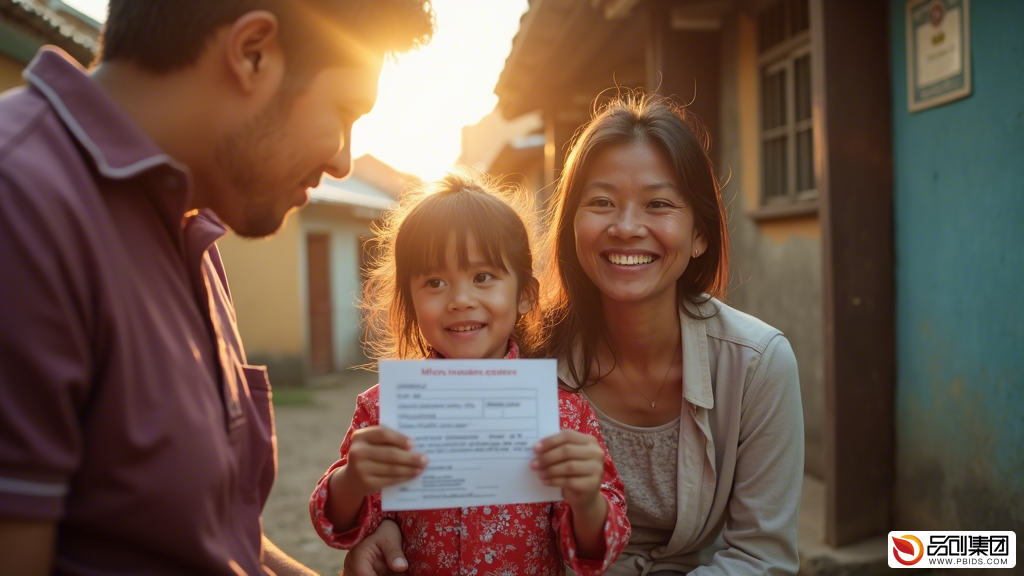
[166, 35]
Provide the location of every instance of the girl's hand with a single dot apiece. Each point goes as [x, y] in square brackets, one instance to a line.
[573, 461]
[378, 457]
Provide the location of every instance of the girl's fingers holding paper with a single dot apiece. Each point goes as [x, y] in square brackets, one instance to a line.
[402, 457]
[572, 469]
[561, 438]
[565, 452]
[382, 435]
[386, 455]
[397, 471]
[580, 484]
[385, 481]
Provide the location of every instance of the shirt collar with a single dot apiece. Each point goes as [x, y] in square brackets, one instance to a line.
[513, 352]
[203, 229]
[118, 148]
[697, 389]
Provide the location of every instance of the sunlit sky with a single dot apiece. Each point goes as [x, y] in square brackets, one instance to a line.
[426, 97]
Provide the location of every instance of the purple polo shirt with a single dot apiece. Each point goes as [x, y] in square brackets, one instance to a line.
[128, 414]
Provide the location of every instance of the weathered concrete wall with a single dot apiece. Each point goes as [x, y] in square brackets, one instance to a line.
[959, 233]
[776, 264]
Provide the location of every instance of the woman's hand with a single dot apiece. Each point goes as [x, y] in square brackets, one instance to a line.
[379, 554]
[378, 457]
[574, 462]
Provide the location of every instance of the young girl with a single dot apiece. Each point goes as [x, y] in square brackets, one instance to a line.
[455, 280]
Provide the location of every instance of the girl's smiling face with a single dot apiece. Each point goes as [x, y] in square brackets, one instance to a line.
[468, 312]
[635, 232]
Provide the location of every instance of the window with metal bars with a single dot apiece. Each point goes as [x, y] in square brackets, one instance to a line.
[787, 129]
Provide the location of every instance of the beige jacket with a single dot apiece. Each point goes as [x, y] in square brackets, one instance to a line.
[741, 452]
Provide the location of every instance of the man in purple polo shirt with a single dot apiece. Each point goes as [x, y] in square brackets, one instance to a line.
[134, 437]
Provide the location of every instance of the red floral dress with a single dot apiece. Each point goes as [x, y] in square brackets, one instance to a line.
[512, 540]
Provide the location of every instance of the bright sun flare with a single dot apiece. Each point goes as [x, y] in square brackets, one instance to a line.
[426, 97]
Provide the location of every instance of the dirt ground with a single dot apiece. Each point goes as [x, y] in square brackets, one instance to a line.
[310, 423]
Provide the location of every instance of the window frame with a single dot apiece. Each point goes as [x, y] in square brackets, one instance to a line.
[783, 56]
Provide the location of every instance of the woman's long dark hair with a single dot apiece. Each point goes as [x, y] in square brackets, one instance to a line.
[574, 318]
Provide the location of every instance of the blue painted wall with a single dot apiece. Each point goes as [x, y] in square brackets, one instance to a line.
[959, 241]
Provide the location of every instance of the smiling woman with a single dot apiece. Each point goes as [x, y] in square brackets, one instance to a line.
[632, 193]
[637, 184]
[699, 403]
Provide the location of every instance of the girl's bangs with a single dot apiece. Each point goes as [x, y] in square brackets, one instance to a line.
[462, 215]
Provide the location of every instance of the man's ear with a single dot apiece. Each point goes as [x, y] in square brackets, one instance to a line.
[254, 52]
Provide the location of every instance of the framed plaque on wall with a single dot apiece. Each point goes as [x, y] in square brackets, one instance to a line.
[938, 52]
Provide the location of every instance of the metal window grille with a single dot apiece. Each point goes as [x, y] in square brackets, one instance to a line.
[787, 131]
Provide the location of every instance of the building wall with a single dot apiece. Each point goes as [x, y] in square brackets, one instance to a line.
[959, 210]
[10, 73]
[346, 287]
[264, 277]
[776, 272]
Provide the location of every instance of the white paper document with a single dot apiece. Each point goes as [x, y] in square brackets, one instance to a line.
[477, 422]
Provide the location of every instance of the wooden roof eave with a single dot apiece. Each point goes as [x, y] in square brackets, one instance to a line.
[563, 44]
